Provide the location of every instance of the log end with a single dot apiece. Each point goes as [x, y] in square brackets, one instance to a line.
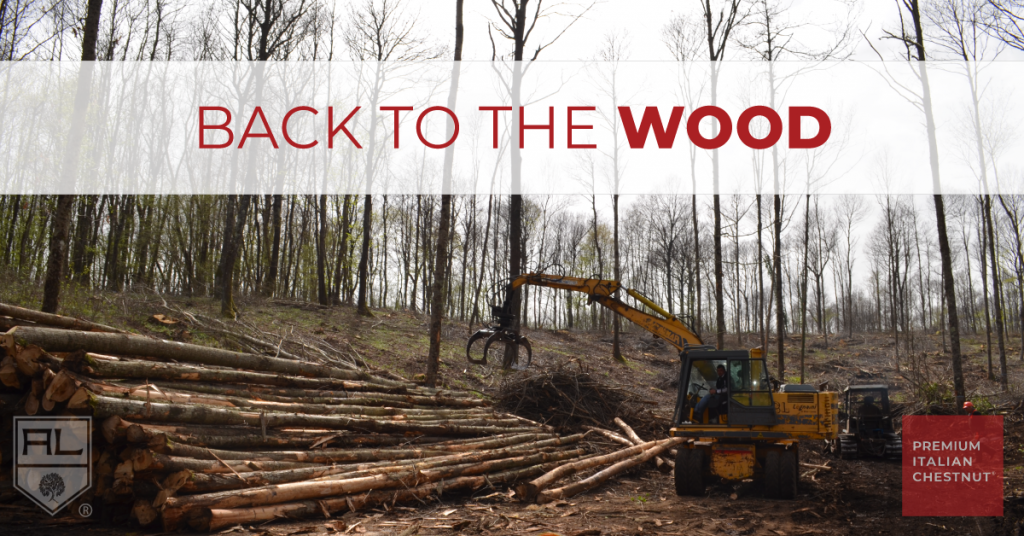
[144, 512]
[112, 429]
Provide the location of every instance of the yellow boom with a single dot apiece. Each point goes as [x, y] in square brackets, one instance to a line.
[602, 291]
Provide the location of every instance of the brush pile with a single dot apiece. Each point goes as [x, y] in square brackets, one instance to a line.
[570, 400]
[207, 438]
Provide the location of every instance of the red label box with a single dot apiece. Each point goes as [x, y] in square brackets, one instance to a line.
[952, 465]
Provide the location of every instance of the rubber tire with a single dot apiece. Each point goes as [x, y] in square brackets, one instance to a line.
[772, 478]
[682, 461]
[689, 472]
[788, 475]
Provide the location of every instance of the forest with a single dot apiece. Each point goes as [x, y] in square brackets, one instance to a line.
[743, 269]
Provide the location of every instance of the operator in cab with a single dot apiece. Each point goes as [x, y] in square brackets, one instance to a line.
[869, 409]
[715, 396]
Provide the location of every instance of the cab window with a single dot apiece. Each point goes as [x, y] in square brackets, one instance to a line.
[703, 375]
[748, 382]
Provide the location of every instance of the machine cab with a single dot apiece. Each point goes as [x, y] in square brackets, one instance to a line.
[749, 398]
[867, 410]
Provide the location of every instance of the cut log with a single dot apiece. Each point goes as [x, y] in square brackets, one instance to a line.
[144, 512]
[48, 319]
[47, 378]
[113, 429]
[104, 406]
[148, 393]
[61, 340]
[61, 388]
[124, 476]
[599, 478]
[163, 463]
[9, 372]
[34, 395]
[164, 445]
[7, 323]
[205, 483]
[84, 362]
[325, 456]
[529, 490]
[610, 435]
[665, 465]
[177, 508]
[249, 438]
[79, 400]
[152, 393]
[281, 394]
[216, 519]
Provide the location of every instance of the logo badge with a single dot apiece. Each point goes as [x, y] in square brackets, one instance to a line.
[52, 459]
[952, 465]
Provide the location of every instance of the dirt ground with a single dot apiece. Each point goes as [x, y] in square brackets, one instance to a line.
[855, 497]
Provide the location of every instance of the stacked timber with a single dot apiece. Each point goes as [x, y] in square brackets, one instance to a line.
[207, 438]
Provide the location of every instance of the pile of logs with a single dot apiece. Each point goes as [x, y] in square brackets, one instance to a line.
[208, 438]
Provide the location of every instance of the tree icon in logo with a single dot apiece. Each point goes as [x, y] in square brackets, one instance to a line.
[52, 486]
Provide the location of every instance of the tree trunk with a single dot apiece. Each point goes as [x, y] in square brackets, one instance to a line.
[270, 283]
[364, 258]
[983, 238]
[233, 247]
[996, 294]
[803, 289]
[59, 235]
[441, 274]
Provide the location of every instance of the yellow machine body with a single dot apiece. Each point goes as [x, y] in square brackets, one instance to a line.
[757, 427]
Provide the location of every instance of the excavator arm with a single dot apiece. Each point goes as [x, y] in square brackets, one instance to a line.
[602, 291]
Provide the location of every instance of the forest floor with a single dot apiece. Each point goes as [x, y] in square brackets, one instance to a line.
[856, 497]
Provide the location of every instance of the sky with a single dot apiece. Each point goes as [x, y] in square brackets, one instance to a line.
[641, 21]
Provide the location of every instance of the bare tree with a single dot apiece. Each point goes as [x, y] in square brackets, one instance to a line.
[682, 36]
[380, 31]
[959, 29]
[851, 211]
[1005, 21]
[444, 226]
[913, 40]
[516, 23]
[69, 166]
[772, 37]
[719, 24]
[612, 54]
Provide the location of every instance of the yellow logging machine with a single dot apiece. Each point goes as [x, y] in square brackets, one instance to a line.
[749, 428]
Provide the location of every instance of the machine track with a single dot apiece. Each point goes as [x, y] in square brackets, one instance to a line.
[847, 448]
[894, 448]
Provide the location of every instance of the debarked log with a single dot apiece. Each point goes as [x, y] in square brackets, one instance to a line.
[215, 519]
[177, 508]
[209, 482]
[528, 491]
[600, 477]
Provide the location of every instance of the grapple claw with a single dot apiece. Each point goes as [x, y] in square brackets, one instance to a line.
[477, 336]
[496, 336]
[529, 350]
